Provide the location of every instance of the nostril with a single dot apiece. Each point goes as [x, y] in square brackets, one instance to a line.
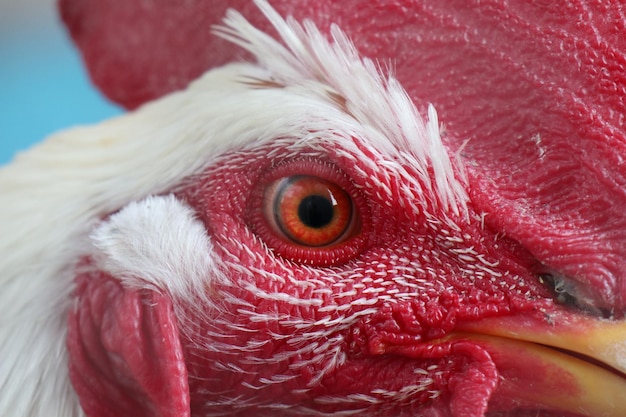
[572, 294]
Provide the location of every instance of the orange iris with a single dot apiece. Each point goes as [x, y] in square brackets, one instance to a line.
[310, 210]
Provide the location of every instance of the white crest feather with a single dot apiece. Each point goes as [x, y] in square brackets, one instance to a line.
[309, 62]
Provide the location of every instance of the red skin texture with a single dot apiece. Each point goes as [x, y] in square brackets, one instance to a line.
[386, 350]
[536, 87]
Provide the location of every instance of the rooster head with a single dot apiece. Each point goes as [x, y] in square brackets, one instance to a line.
[291, 237]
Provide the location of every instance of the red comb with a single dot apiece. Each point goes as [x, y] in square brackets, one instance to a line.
[136, 51]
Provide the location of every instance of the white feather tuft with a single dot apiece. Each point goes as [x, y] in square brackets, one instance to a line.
[157, 243]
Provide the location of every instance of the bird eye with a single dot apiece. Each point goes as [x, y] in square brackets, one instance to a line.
[309, 210]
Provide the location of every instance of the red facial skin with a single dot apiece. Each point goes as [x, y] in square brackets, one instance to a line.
[373, 341]
[536, 88]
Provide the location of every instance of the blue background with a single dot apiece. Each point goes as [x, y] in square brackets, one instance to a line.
[43, 84]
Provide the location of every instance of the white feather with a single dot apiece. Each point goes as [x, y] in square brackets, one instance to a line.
[53, 196]
[157, 243]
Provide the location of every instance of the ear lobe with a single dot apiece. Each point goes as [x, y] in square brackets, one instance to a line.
[126, 358]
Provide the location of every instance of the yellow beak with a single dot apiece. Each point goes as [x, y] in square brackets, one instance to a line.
[569, 364]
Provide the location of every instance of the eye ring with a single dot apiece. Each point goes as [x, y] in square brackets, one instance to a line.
[291, 191]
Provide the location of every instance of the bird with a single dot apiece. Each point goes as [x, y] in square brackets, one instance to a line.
[287, 236]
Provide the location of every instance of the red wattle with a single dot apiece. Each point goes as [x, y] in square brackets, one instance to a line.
[125, 355]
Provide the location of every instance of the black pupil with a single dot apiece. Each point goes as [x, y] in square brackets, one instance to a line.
[315, 211]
